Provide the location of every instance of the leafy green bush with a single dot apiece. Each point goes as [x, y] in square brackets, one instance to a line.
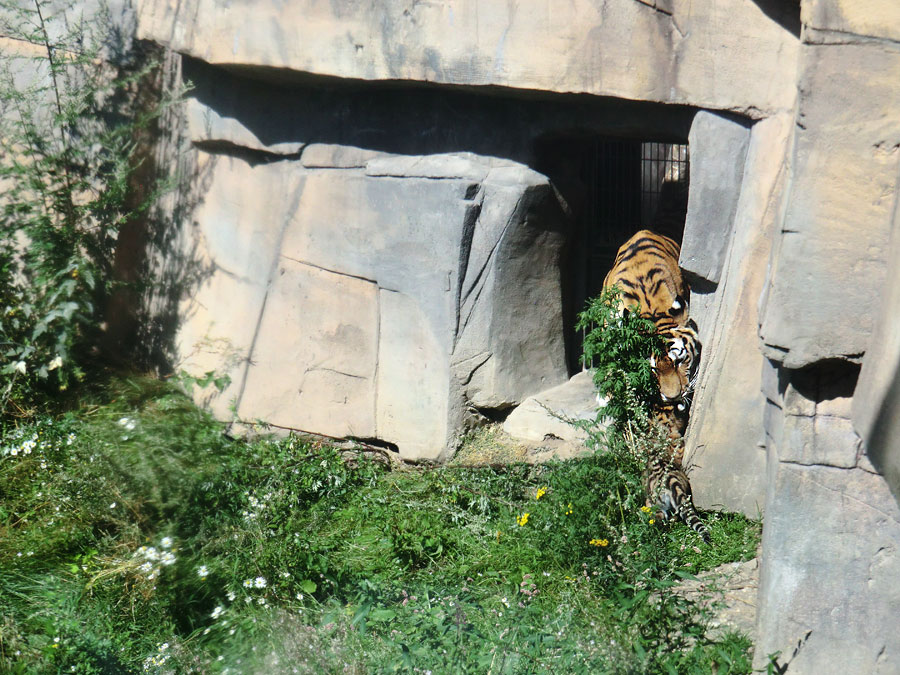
[137, 537]
[70, 128]
[617, 345]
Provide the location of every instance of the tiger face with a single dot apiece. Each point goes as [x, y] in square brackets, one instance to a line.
[683, 346]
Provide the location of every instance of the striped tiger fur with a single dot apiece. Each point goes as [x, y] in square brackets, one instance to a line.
[646, 270]
[683, 346]
[647, 273]
[672, 416]
[669, 491]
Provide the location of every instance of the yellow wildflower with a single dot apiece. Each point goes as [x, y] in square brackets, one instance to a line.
[651, 521]
[521, 520]
[645, 509]
[541, 492]
[599, 542]
[569, 509]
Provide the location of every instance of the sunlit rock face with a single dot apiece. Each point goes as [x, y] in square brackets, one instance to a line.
[381, 254]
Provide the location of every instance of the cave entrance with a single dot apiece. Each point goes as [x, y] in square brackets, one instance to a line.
[612, 188]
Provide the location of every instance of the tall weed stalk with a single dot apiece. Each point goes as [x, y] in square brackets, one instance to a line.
[70, 125]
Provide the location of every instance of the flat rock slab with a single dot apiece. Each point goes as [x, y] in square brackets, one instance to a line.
[547, 415]
[729, 592]
[491, 446]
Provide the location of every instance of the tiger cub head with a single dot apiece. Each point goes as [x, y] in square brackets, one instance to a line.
[671, 375]
[676, 370]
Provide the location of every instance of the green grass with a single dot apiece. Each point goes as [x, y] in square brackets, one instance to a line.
[279, 555]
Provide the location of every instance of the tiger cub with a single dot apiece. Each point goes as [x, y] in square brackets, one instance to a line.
[669, 490]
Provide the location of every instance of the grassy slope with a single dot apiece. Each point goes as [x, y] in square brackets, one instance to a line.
[280, 556]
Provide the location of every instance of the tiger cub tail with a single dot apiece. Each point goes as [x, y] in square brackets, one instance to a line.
[669, 487]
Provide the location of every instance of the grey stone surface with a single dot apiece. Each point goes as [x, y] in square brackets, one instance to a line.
[333, 156]
[718, 151]
[463, 166]
[877, 19]
[830, 540]
[510, 329]
[585, 47]
[831, 250]
[831, 533]
[547, 413]
[724, 440]
[355, 290]
[876, 400]
[314, 357]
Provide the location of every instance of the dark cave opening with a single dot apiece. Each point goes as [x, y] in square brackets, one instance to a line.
[610, 188]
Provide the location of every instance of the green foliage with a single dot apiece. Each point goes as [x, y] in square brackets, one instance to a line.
[142, 538]
[618, 344]
[70, 128]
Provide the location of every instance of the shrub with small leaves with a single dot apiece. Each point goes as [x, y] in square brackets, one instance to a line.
[70, 129]
[618, 344]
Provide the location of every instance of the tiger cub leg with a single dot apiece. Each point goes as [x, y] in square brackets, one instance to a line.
[669, 491]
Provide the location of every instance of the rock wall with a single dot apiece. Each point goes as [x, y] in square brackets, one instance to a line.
[738, 182]
[383, 260]
[356, 277]
[345, 312]
[666, 51]
[832, 528]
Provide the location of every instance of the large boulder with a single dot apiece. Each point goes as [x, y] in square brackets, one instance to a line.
[724, 443]
[352, 292]
[832, 531]
[555, 411]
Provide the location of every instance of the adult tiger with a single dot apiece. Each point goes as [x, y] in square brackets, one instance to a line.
[646, 270]
[647, 273]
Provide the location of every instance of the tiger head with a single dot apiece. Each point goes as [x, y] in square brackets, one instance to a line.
[672, 377]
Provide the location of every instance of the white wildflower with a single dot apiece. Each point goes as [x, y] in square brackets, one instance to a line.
[55, 363]
[127, 422]
[202, 571]
[217, 612]
[22, 367]
[260, 582]
[166, 542]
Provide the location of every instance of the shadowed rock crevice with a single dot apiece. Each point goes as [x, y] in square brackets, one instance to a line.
[252, 156]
